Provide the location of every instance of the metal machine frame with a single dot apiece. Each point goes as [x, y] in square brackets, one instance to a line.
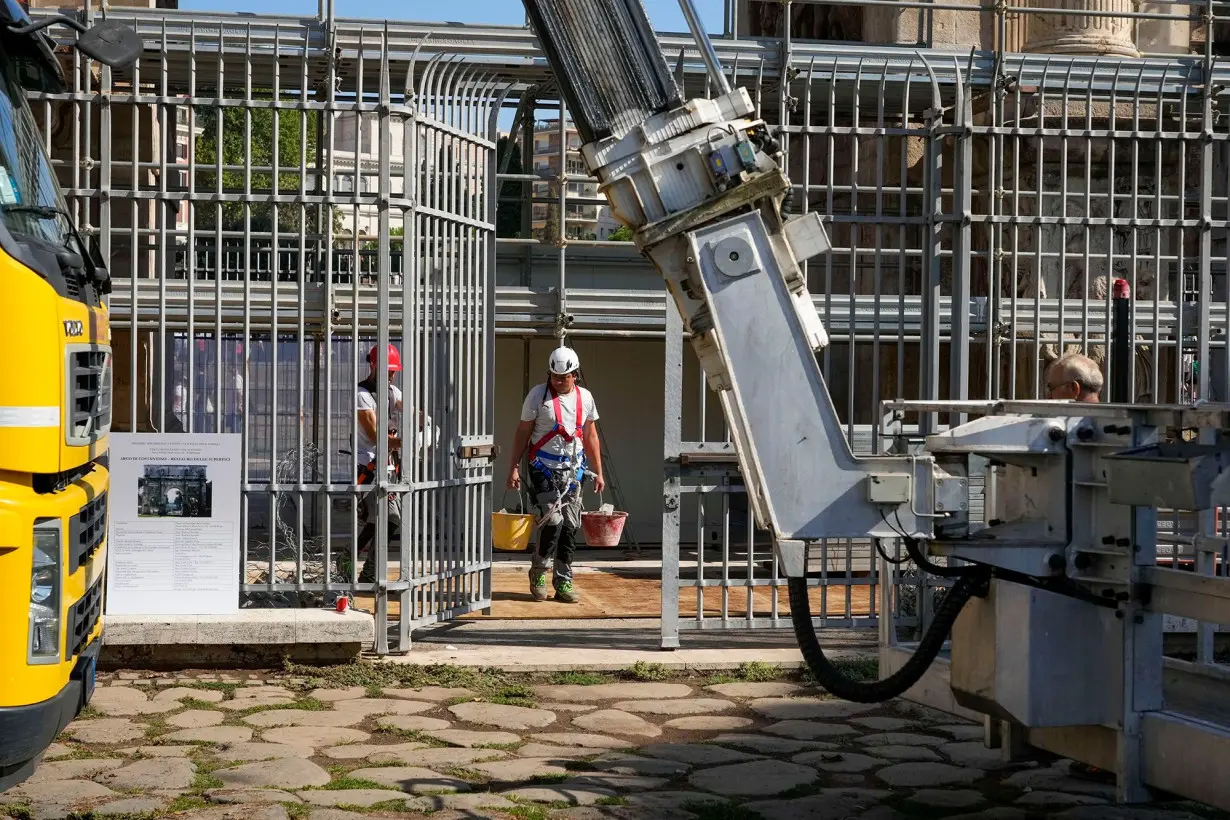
[1056, 611]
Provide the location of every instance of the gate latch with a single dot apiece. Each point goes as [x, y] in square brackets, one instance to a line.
[477, 449]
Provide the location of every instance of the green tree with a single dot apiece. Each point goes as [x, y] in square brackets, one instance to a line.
[508, 209]
[621, 234]
[236, 150]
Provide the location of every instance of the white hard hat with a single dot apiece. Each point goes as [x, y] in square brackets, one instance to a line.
[563, 360]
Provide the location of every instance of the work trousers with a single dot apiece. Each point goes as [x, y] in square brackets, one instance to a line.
[558, 536]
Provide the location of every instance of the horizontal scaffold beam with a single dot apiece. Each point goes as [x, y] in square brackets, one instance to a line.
[170, 304]
[513, 52]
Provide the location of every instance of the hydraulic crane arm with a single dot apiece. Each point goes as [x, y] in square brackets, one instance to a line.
[701, 185]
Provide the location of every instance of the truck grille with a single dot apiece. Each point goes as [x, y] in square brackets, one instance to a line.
[84, 618]
[89, 394]
[86, 532]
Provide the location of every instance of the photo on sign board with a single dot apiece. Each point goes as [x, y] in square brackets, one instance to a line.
[175, 491]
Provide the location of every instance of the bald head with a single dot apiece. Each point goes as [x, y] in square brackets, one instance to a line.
[1074, 376]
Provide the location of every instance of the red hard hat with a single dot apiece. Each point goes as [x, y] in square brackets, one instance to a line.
[394, 358]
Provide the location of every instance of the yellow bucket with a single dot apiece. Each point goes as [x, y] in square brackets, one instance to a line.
[511, 531]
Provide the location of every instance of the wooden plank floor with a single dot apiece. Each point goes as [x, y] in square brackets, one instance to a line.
[611, 595]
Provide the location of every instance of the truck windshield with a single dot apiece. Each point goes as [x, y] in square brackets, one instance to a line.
[31, 203]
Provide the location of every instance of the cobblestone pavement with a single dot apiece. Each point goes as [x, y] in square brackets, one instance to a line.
[279, 747]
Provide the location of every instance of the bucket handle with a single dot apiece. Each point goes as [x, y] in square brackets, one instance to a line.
[522, 498]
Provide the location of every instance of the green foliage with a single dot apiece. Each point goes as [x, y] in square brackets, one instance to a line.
[621, 234]
[578, 678]
[647, 671]
[508, 209]
[236, 150]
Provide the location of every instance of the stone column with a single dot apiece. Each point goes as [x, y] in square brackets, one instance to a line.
[1076, 33]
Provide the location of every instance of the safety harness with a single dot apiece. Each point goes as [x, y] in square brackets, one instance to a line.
[549, 461]
[367, 472]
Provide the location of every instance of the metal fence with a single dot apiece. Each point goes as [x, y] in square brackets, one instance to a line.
[258, 193]
[249, 178]
[993, 198]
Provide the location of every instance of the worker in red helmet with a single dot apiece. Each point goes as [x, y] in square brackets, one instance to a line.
[365, 442]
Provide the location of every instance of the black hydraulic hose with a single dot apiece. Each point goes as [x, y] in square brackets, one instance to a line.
[974, 582]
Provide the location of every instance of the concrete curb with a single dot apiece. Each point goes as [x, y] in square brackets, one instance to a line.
[519, 659]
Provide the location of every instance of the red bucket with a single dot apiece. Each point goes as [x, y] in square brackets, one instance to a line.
[603, 529]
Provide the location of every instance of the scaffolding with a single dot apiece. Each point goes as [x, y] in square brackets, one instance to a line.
[279, 195]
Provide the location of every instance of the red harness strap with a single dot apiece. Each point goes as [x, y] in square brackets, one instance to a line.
[559, 430]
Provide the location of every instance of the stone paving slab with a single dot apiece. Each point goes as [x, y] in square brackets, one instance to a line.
[233, 746]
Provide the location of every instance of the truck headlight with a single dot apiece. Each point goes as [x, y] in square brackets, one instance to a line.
[45, 593]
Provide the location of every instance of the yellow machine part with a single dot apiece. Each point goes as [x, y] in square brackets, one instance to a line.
[38, 330]
[23, 684]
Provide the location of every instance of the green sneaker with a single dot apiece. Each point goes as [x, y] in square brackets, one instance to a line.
[564, 592]
[538, 585]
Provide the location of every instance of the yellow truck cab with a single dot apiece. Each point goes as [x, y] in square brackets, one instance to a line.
[55, 410]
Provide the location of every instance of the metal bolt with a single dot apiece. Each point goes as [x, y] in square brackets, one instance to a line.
[1084, 434]
[1108, 540]
[1123, 542]
[1056, 434]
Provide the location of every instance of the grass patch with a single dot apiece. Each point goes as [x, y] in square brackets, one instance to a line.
[364, 673]
[17, 812]
[805, 790]
[297, 811]
[549, 779]
[710, 810]
[468, 775]
[527, 811]
[517, 694]
[643, 671]
[610, 801]
[187, 802]
[719, 678]
[388, 805]
[859, 669]
[413, 735]
[193, 703]
[89, 713]
[306, 704]
[577, 678]
[345, 782]
[203, 781]
[758, 672]
[227, 689]
[156, 725]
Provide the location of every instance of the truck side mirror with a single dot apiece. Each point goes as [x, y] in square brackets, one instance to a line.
[111, 43]
[102, 277]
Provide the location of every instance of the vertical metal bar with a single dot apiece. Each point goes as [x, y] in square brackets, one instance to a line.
[328, 119]
[712, 64]
[383, 315]
[1142, 650]
[929, 372]
[962, 247]
[672, 443]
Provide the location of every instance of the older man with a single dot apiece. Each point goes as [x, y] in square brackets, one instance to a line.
[1075, 377]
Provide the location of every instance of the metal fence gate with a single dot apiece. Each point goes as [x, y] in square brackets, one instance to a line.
[277, 199]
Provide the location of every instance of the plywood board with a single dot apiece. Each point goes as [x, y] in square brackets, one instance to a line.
[611, 595]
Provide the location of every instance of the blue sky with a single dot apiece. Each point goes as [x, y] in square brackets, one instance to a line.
[664, 14]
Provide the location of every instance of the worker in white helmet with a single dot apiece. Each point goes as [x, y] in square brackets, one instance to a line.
[558, 435]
